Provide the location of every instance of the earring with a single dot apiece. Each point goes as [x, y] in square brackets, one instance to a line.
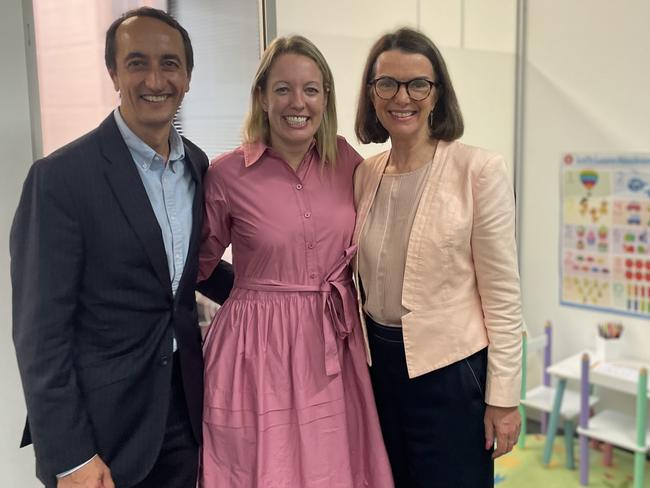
[431, 118]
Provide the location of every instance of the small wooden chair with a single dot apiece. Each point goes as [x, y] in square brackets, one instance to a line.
[542, 397]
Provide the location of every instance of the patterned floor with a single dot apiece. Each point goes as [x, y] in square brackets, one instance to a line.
[524, 469]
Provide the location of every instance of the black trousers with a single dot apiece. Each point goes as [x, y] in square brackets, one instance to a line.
[432, 424]
[177, 463]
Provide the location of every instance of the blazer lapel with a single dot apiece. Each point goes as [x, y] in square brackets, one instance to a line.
[420, 229]
[367, 185]
[127, 186]
[191, 160]
[429, 192]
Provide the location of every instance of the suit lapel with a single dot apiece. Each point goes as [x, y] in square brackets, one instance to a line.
[369, 184]
[127, 186]
[420, 227]
[430, 190]
[192, 161]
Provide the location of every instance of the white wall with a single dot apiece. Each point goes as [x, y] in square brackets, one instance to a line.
[477, 39]
[586, 91]
[16, 465]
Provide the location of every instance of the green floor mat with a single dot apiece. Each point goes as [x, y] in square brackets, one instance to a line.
[523, 468]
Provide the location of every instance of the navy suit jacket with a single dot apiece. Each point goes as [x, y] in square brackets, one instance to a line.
[93, 309]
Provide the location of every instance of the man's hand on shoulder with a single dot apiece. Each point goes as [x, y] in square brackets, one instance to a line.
[95, 474]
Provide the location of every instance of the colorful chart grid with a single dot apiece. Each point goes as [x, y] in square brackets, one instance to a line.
[605, 238]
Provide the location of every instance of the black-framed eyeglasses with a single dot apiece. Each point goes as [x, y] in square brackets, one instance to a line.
[417, 89]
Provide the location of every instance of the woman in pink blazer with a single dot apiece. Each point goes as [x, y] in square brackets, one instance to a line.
[437, 268]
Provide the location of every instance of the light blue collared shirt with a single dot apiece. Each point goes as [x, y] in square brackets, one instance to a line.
[170, 189]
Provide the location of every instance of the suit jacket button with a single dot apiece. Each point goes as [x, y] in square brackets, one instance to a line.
[164, 361]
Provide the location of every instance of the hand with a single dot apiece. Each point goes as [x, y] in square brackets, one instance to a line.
[95, 474]
[505, 424]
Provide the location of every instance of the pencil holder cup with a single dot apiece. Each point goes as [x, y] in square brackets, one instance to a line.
[608, 348]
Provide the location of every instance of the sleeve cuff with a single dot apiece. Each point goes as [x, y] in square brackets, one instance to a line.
[70, 471]
[503, 392]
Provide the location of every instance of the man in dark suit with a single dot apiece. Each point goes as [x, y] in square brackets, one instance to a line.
[104, 259]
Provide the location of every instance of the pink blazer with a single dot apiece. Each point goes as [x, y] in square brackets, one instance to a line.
[461, 283]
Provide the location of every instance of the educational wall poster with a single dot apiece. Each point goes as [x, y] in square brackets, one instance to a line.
[605, 238]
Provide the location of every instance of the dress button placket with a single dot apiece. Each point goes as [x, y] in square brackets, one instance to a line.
[310, 236]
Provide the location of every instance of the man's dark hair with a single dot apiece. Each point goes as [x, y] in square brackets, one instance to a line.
[111, 48]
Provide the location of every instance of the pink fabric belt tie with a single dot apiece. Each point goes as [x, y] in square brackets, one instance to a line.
[337, 297]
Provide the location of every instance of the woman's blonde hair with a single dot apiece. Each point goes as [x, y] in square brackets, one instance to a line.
[256, 127]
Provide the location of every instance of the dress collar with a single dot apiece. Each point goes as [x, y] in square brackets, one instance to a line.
[253, 151]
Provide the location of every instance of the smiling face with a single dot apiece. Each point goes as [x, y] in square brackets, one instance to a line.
[151, 74]
[294, 99]
[401, 116]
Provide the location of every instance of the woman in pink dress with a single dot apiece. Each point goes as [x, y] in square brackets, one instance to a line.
[288, 401]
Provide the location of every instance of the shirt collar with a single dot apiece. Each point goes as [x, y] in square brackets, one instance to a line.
[141, 151]
[253, 151]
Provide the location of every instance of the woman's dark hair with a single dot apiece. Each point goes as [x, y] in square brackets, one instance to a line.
[446, 122]
[154, 13]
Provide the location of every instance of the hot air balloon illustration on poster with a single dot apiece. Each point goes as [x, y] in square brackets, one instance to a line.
[605, 248]
[588, 178]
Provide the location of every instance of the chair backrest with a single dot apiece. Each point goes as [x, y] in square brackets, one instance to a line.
[540, 343]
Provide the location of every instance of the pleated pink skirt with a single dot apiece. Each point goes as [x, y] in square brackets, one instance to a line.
[273, 417]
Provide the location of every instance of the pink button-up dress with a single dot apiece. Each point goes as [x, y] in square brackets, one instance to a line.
[288, 401]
